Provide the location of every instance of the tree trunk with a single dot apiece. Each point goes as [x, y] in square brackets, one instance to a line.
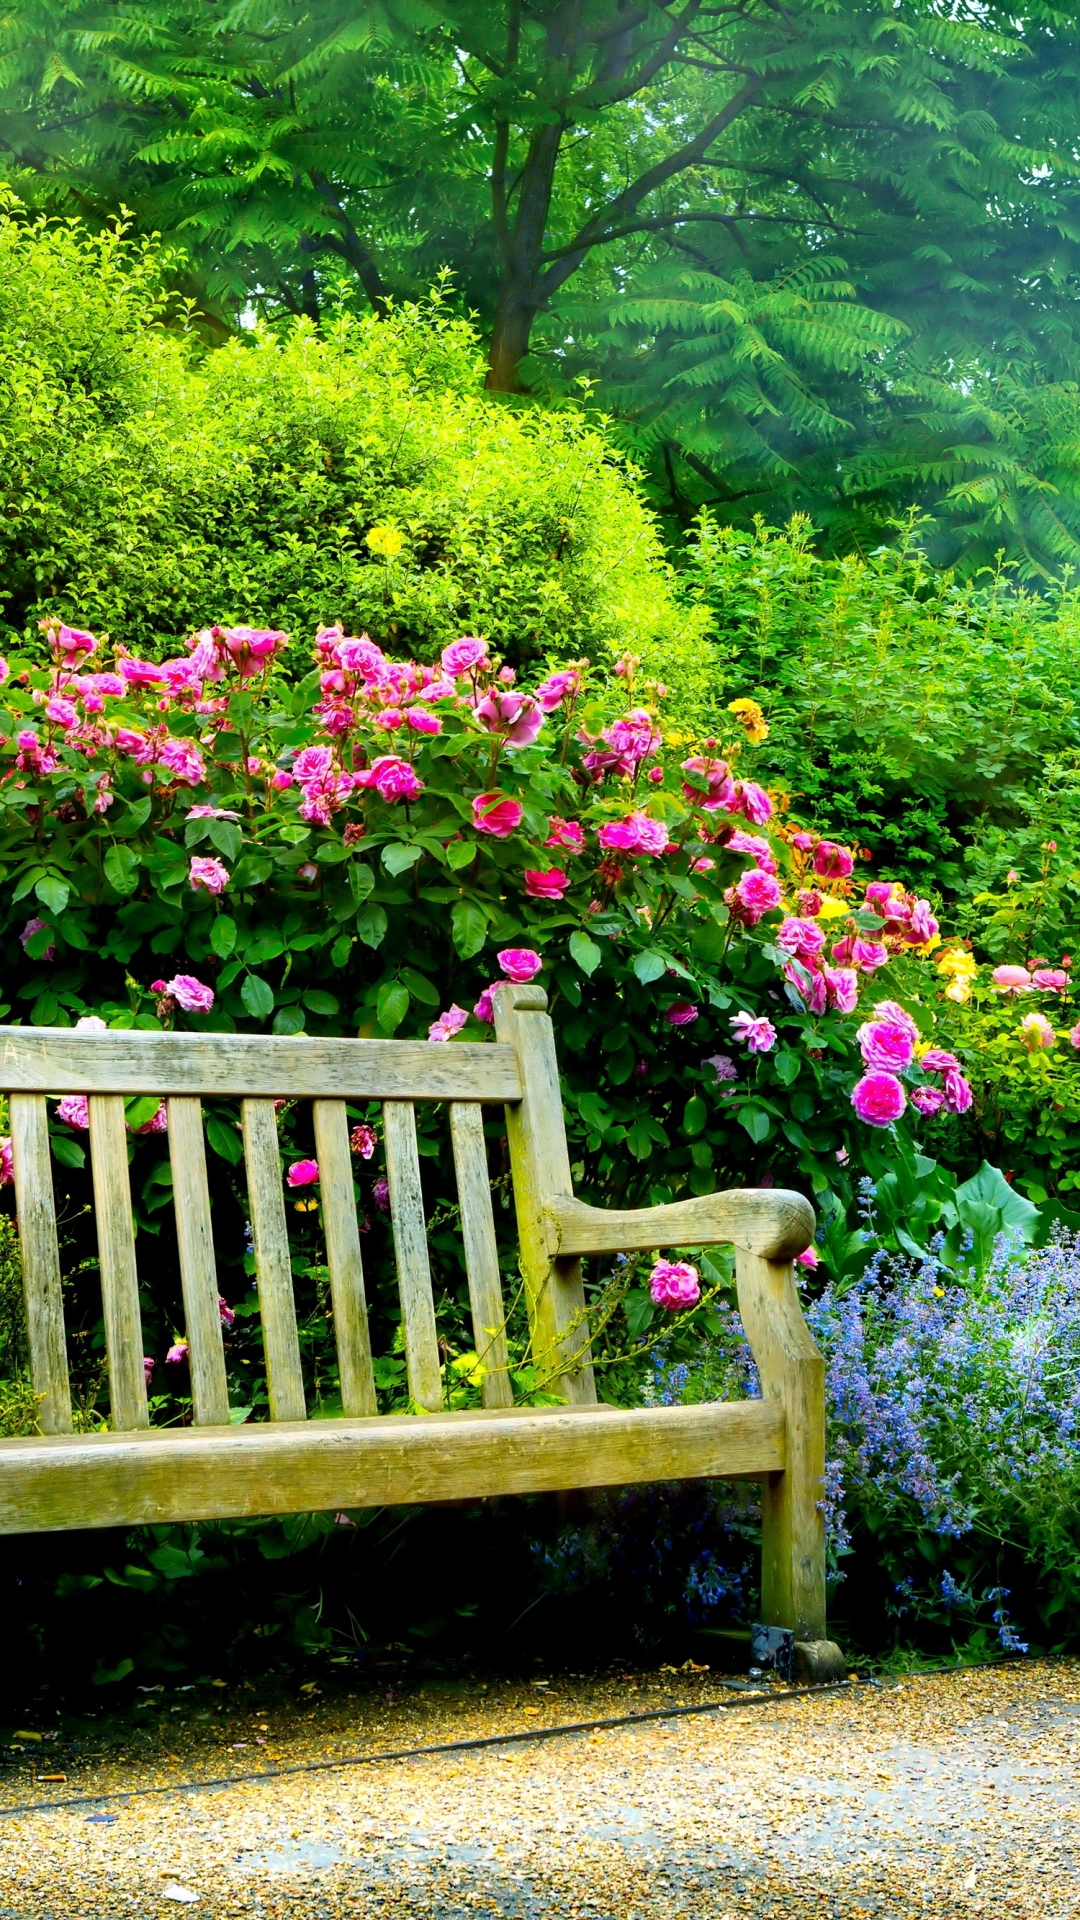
[521, 291]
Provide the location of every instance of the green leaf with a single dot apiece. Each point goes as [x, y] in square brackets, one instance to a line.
[122, 869]
[223, 935]
[460, 853]
[695, 1116]
[647, 966]
[340, 951]
[288, 1020]
[319, 1002]
[990, 1187]
[392, 1005]
[137, 1112]
[585, 951]
[421, 987]
[227, 838]
[258, 997]
[469, 927]
[787, 1067]
[67, 1151]
[251, 872]
[399, 856]
[757, 1123]
[371, 924]
[268, 944]
[361, 880]
[53, 893]
[224, 1139]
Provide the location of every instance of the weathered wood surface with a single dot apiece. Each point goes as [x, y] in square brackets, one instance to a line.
[770, 1221]
[198, 1267]
[411, 1254]
[60, 1060]
[540, 1164]
[343, 1257]
[190, 1474]
[36, 1209]
[481, 1253]
[792, 1374]
[116, 1254]
[273, 1266]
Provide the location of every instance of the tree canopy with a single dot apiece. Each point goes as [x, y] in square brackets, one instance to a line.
[818, 256]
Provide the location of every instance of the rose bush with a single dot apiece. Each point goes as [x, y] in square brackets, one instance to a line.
[242, 837]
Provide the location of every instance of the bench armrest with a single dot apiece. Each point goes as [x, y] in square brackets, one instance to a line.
[772, 1222]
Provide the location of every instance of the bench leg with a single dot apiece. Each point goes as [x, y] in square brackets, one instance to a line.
[793, 1522]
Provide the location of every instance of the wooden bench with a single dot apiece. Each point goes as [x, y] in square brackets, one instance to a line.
[133, 1474]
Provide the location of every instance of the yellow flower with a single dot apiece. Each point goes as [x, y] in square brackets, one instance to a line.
[958, 962]
[385, 540]
[748, 711]
[959, 990]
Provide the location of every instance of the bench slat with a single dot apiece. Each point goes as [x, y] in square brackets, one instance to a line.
[410, 1247]
[277, 1306]
[61, 1060]
[116, 1253]
[481, 1254]
[343, 1257]
[36, 1206]
[198, 1267]
[104, 1480]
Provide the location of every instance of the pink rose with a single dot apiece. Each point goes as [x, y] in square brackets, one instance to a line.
[803, 938]
[546, 885]
[1074, 1037]
[74, 1111]
[886, 1045]
[674, 1283]
[303, 1173]
[1011, 979]
[312, 763]
[190, 994]
[421, 721]
[634, 833]
[832, 862]
[756, 1032]
[250, 648]
[557, 688]
[184, 761]
[1036, 1032]
[566, 834]
[681, 1013]
[380, 1193]
[363, 1141]
[7, 1168]
[867, 955]
[36, 926]
[752, 843]
[281, 779]
[208, 873]
[177, 1354]
[757, 893]
[64, 713]
[957, 1092]
[878, 1098]
[392, 778]
[752, 800]
[361, 656]
[143, 673]
[448, 1024]
[841, 987]
[512, 714]
[722, 1065]
[809, 983]
[716, 786]
[1050, 979]
[495, 814]
[465, 656]
[928, 1100]
[922, 925]
[519, 964]
[69, 643]
[895, 1015]
[808, 1258]
[225, 1313]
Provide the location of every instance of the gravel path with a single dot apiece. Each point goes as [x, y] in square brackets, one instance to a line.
[943, 1796]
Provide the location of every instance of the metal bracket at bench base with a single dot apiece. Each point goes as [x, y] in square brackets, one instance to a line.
[776, 1650]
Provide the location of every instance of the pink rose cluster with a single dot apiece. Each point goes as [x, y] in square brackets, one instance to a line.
[888, 1045]
[674, 1284]
[518, 964]
[1038, 979]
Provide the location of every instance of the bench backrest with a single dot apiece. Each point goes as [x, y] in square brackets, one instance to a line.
[186, 1068]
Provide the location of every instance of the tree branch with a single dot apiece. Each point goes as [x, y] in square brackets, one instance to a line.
[351, 248]
[630, 199]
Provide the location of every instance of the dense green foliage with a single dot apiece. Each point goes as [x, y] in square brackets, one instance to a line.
[819, 256]
[149, 488]
[906, 708]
